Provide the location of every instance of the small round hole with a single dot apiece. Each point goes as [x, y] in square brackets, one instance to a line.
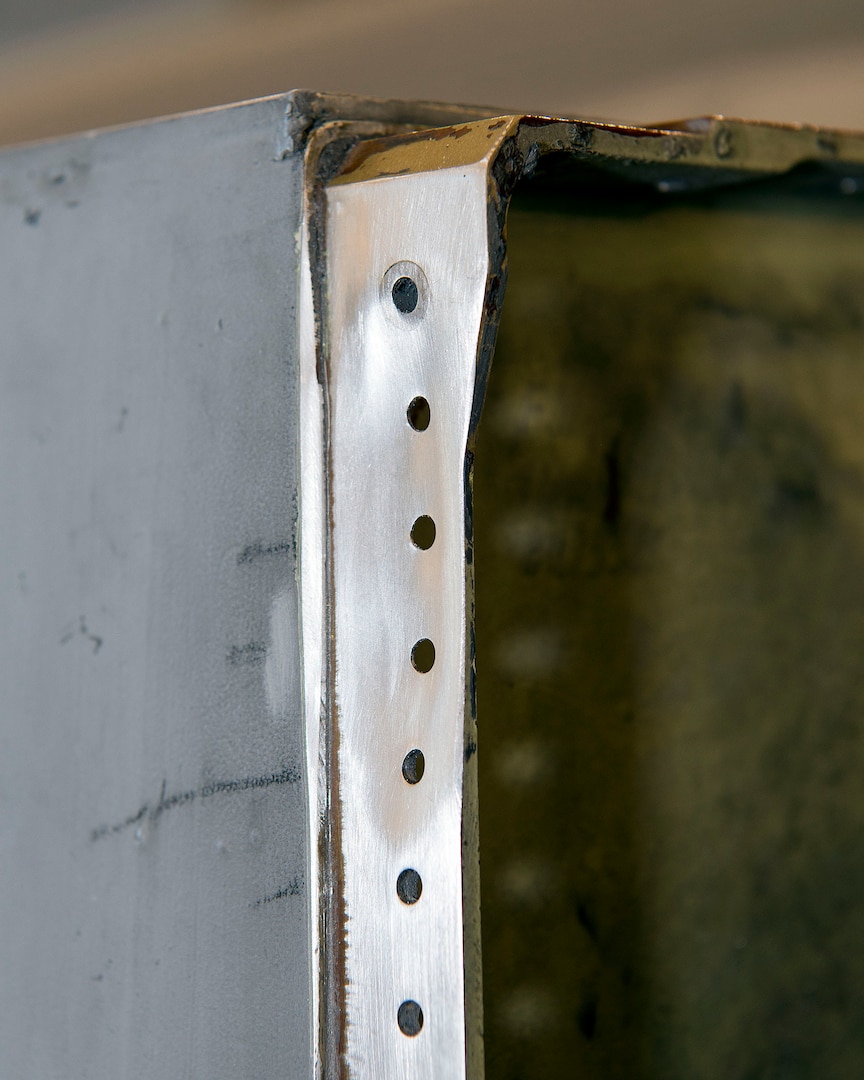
[405, 294]
[419, 414]
[423, 532]
[423, 655]
[410, 1018]
[414, 766]
[409, 886]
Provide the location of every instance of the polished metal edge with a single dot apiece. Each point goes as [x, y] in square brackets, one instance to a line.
[324, 145]
[401, 955]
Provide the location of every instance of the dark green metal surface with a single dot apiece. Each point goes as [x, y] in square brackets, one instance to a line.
[669, 514]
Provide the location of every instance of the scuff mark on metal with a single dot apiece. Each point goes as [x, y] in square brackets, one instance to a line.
[152, 811]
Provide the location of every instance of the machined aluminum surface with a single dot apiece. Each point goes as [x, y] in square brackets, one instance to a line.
[429, 229]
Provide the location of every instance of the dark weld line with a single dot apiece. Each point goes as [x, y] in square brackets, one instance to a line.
[289, 775]
[293, 888]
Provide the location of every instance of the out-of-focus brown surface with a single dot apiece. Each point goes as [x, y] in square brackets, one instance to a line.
[122, 60]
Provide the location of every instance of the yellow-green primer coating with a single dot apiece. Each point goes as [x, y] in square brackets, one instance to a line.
[669, 525]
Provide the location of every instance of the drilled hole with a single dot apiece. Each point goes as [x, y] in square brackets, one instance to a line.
[405, 295]
[409, 886]
[410, 1018]
[423, 532]
[423, 655]
[414, 766]
[419, 414]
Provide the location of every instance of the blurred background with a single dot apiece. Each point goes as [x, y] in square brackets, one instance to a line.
[69, 65]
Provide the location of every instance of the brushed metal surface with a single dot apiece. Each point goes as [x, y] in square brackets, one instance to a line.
[183, 704]
[389, 594]
[153, 880]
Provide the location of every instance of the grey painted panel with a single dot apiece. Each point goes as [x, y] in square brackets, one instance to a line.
[153, 910]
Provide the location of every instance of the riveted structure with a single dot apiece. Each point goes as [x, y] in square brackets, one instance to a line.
[244, 361]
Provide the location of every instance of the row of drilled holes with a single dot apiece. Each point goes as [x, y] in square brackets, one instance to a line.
[409, 885]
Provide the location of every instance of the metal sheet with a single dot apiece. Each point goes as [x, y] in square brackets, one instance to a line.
[153, 883]
[389, 594]
[380, 210]
[167, 747]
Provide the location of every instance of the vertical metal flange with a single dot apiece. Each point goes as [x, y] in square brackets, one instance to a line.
[399, 261]
[408, 271]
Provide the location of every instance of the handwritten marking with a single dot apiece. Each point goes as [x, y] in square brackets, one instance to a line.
[255, 652]
[254, 551]
[289, 775]
[293, 888]
[70, 632]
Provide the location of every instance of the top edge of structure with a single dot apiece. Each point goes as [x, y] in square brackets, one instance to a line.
[715, 143]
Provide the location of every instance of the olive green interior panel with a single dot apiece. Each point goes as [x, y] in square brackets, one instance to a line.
[669, 516]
